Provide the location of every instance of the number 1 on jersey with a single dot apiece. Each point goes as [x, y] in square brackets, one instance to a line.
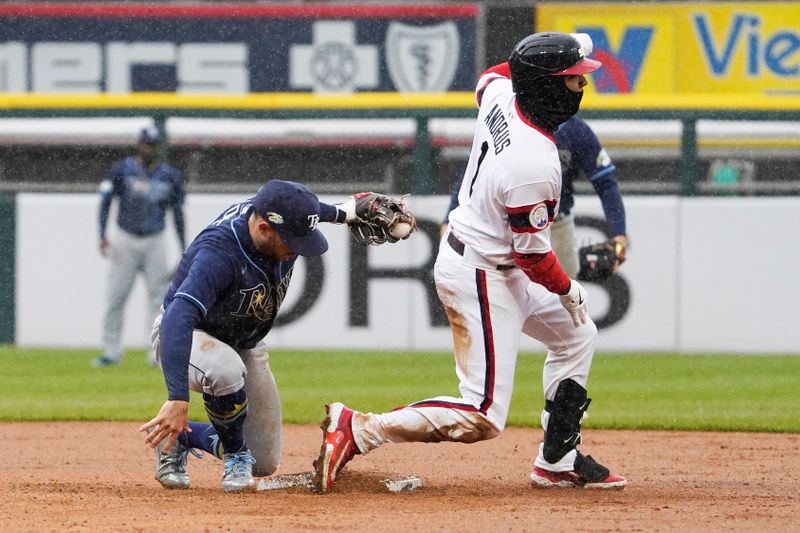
[484, 150]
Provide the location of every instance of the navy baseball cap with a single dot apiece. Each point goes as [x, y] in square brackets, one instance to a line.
[149, 135]
[293, 211]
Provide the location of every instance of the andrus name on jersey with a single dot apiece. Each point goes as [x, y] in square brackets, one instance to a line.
[498, 128]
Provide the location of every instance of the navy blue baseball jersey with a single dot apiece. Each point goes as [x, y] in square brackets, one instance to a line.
[581, 155]
[225, 287]
[237, 289]
[144, 197]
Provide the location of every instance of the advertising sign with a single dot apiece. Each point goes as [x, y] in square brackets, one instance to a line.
[236, 49]
[677, 291]
[685, 48]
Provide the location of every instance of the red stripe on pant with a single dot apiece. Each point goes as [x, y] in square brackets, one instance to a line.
[488, 345]
[439, 403]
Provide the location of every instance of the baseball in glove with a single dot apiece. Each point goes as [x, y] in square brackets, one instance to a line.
[376, 218]
[598, 261]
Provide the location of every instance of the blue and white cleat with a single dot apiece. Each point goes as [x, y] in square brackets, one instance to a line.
[171, 466]
[238, 474]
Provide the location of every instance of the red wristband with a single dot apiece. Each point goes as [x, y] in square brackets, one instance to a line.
[545, 270]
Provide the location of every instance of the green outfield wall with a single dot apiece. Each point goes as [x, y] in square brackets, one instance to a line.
[8, 224]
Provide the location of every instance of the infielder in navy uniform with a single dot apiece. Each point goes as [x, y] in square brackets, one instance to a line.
[221, 304]
[582, 156]
[146, 188]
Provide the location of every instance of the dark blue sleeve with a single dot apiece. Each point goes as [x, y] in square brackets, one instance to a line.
[105, 207]
[331, 213]
[180, 226]
[177, 327]
[608, 191]
[108, 188]
[177, 208]
[209, 275]
[453, 199]
[593, 160]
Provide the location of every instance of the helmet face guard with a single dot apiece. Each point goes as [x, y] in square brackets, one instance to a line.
[538, 63]
[550, 54]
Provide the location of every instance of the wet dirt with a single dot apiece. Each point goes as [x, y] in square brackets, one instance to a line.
[76, 476]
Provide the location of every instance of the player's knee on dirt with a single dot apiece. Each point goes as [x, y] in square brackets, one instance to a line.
[475, 429]
[563, 431]
[487, 430]
[491, 433]
[227, 414]
[266, 464]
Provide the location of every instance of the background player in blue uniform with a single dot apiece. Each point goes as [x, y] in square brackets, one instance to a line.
[146, 188]
[221, 304]
[582, 156]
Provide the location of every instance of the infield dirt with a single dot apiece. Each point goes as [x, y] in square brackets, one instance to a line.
[99, 477]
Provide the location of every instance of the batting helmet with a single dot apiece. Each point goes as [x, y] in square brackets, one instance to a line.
[549, 54]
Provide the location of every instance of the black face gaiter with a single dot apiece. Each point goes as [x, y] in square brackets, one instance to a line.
[549, 103]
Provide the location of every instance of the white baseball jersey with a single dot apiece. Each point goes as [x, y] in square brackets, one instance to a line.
[509, 195]
[508, 199]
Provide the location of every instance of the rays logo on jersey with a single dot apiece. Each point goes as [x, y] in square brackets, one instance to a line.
[263, 302]
[137, 184]
[257, 301]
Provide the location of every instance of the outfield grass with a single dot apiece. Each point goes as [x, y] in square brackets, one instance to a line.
[645, 391]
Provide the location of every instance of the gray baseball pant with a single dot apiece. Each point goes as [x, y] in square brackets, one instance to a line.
[216, 368]
[129, 255]
[562, 239]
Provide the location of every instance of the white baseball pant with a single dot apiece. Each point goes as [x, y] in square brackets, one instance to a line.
[488, 309]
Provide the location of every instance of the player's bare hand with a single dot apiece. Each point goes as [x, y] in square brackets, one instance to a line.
[574, 301]
[104, 247]
[171, 421]
[443, 230]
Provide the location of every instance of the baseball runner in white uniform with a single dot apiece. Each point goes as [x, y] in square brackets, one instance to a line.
[497, 276]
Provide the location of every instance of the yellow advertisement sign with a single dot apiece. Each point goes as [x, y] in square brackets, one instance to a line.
[687, 48]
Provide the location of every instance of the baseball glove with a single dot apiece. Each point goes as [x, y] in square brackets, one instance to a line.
[366, 234]
[380, 218]
[598, 261]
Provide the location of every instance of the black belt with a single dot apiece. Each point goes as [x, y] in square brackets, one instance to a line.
[458, 247]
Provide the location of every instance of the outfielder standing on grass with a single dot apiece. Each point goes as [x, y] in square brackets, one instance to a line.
[222, 303]
[146, 188]
[581, 155]
[497, 276]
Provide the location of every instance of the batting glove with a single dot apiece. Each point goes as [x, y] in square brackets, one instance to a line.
[575, 303]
